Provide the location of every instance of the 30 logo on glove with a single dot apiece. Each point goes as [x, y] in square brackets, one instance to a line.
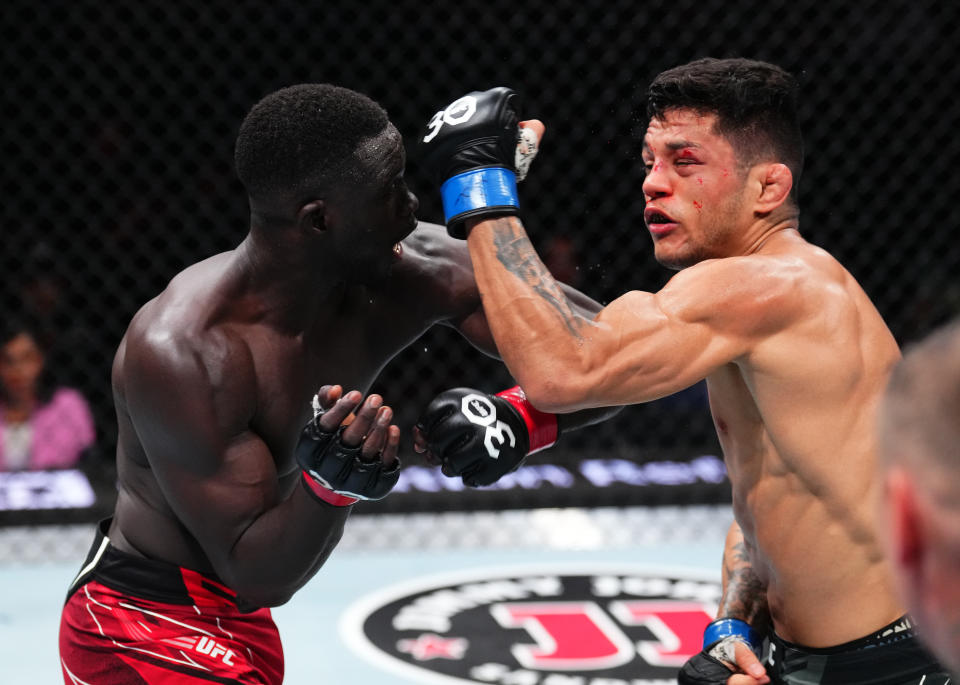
[471, 147]
[479, 409]
[480, 437]
[457, 112]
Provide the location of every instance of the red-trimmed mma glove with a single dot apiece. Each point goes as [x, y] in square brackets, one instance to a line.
[709, 667]
[477, 152]
[480, 437]
[335, 473]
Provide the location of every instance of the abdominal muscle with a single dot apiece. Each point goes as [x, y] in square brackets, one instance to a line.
[826, 580]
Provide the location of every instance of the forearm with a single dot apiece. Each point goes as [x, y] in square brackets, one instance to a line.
[283, 548]
[585, 417]
[539, 334]
[744, 594]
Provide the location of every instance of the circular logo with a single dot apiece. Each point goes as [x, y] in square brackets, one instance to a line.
[460, 111]
[537, 626]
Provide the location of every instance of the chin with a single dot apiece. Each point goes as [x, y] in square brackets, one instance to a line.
[680, 259]
[673, 261]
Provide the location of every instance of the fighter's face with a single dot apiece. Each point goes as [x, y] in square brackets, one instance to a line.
[693, 189]
[379, 210]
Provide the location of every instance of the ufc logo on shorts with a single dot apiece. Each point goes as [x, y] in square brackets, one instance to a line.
[206, 645]
[457, 112]
[480, 410]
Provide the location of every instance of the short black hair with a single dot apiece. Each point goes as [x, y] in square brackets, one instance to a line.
[302, 138]
[755, 104]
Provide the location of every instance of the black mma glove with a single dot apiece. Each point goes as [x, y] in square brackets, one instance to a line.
[480, 437]
[335, 473]
[708, 667]
[471, 148]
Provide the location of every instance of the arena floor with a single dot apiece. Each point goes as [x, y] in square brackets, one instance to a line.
[379, 557]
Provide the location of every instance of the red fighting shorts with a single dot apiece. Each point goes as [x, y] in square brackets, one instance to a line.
[130, 620]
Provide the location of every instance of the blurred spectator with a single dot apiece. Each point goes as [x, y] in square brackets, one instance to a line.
[920, 456]
[42, 426]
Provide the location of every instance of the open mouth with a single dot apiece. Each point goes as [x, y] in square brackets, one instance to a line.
[658, 223]
[398, 246]
[656, 217]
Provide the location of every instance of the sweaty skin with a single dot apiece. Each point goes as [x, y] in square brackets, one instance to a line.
[794, 354]
[214, 377]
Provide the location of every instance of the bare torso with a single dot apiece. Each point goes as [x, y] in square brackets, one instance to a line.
[795, 420]
[350, 343]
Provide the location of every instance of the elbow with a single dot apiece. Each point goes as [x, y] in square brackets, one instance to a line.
[261, 596]
[553, 395]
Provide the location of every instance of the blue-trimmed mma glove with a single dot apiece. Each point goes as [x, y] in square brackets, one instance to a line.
[335, 473]
[477, 152]
[709, 667]
[480, 437]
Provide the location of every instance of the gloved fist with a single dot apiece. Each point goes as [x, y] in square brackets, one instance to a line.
[471, 148]
[347, 456]
[480, 437]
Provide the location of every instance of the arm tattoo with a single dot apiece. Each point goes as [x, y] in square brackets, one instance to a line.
[745, 596]
[516, 253]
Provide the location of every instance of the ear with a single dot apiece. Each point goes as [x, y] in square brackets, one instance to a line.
[312, 216]
[776, 180]
[905, 517]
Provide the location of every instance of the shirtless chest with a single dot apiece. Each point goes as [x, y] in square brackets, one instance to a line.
[290, 370]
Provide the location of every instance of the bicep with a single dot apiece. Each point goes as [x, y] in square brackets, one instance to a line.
[641, 349]
[644, 346]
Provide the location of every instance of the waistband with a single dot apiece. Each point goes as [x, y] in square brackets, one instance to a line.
[152, 579]
[897, 631]
[892, 655]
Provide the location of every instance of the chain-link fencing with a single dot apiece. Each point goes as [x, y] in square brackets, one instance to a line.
[120, 118]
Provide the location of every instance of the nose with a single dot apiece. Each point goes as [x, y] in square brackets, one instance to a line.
[413, 201]
[655, 182]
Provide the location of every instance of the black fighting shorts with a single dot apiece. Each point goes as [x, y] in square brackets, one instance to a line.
[891, 656]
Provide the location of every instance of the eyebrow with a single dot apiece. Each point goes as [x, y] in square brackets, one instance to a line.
[674, 145]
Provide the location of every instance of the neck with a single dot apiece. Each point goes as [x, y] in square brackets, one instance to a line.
[761, 235]
[287, 282]
[18, 409]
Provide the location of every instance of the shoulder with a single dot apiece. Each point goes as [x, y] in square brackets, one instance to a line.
[753, 291]
[430, 248]
[177, 347]
[175, 354]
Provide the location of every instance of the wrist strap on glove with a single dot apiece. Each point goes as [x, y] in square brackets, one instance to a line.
[487, 190]
[731, 627]
[542, 427]
[325, 495]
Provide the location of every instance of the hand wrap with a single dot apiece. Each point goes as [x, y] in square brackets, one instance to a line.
[709, 667]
